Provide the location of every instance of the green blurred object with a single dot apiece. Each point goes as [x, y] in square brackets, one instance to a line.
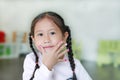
[8, 50]
[76, 49]
[103, 56]
[1, 49]
[117, 56]
[109, 52]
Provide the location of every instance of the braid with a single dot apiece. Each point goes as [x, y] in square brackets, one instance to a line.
[70, 53]
[36, 61]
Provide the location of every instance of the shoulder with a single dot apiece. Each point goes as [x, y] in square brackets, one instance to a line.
[81, 72]
[29, 58]
[77, 62]
[29, 62]
[30, 55]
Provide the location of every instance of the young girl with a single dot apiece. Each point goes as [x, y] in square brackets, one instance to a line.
[53, 59]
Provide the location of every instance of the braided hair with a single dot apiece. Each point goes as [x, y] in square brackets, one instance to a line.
[70, 53]
[58, 20]
[36, 57]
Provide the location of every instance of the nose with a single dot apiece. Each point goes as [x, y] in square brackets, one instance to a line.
[46, 39]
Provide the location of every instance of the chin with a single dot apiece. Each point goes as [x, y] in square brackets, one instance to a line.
[48, 50]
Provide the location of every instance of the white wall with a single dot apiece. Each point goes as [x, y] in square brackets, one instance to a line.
[91, 20]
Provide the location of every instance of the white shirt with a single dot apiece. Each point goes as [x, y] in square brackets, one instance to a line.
[61, 71]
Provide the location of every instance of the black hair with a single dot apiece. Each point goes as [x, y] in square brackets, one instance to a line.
[58, 20]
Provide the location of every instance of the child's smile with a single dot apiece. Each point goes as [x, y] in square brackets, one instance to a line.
[46, 47]
[47, 34]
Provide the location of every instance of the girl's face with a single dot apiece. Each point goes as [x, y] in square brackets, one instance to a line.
[47, 35]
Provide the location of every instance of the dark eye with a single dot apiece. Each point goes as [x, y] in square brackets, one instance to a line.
[52, 33]
[40, 34]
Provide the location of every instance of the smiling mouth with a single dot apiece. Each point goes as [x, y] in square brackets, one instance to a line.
[48, 47]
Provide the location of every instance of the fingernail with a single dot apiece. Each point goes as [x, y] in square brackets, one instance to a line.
[65, 44]
[67, 50]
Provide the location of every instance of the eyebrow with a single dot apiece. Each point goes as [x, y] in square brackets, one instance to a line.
[42, 30]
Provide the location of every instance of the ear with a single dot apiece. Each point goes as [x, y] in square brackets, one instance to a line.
[32, 38]
[66, 36]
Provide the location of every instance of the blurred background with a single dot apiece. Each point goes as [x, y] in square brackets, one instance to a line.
[95, 26]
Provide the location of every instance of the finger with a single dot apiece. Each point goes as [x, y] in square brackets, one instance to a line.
[58, 45]
[61, 55]
[62, 48]
[60, 60]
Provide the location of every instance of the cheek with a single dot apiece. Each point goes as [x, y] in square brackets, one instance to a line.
[56, 40]
[37, 43]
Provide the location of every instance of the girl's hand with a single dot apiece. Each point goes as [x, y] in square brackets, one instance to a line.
[55, 56]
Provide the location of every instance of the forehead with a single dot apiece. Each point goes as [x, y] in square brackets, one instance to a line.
[46, 24]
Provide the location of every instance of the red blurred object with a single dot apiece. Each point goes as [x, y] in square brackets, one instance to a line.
[2, 37]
